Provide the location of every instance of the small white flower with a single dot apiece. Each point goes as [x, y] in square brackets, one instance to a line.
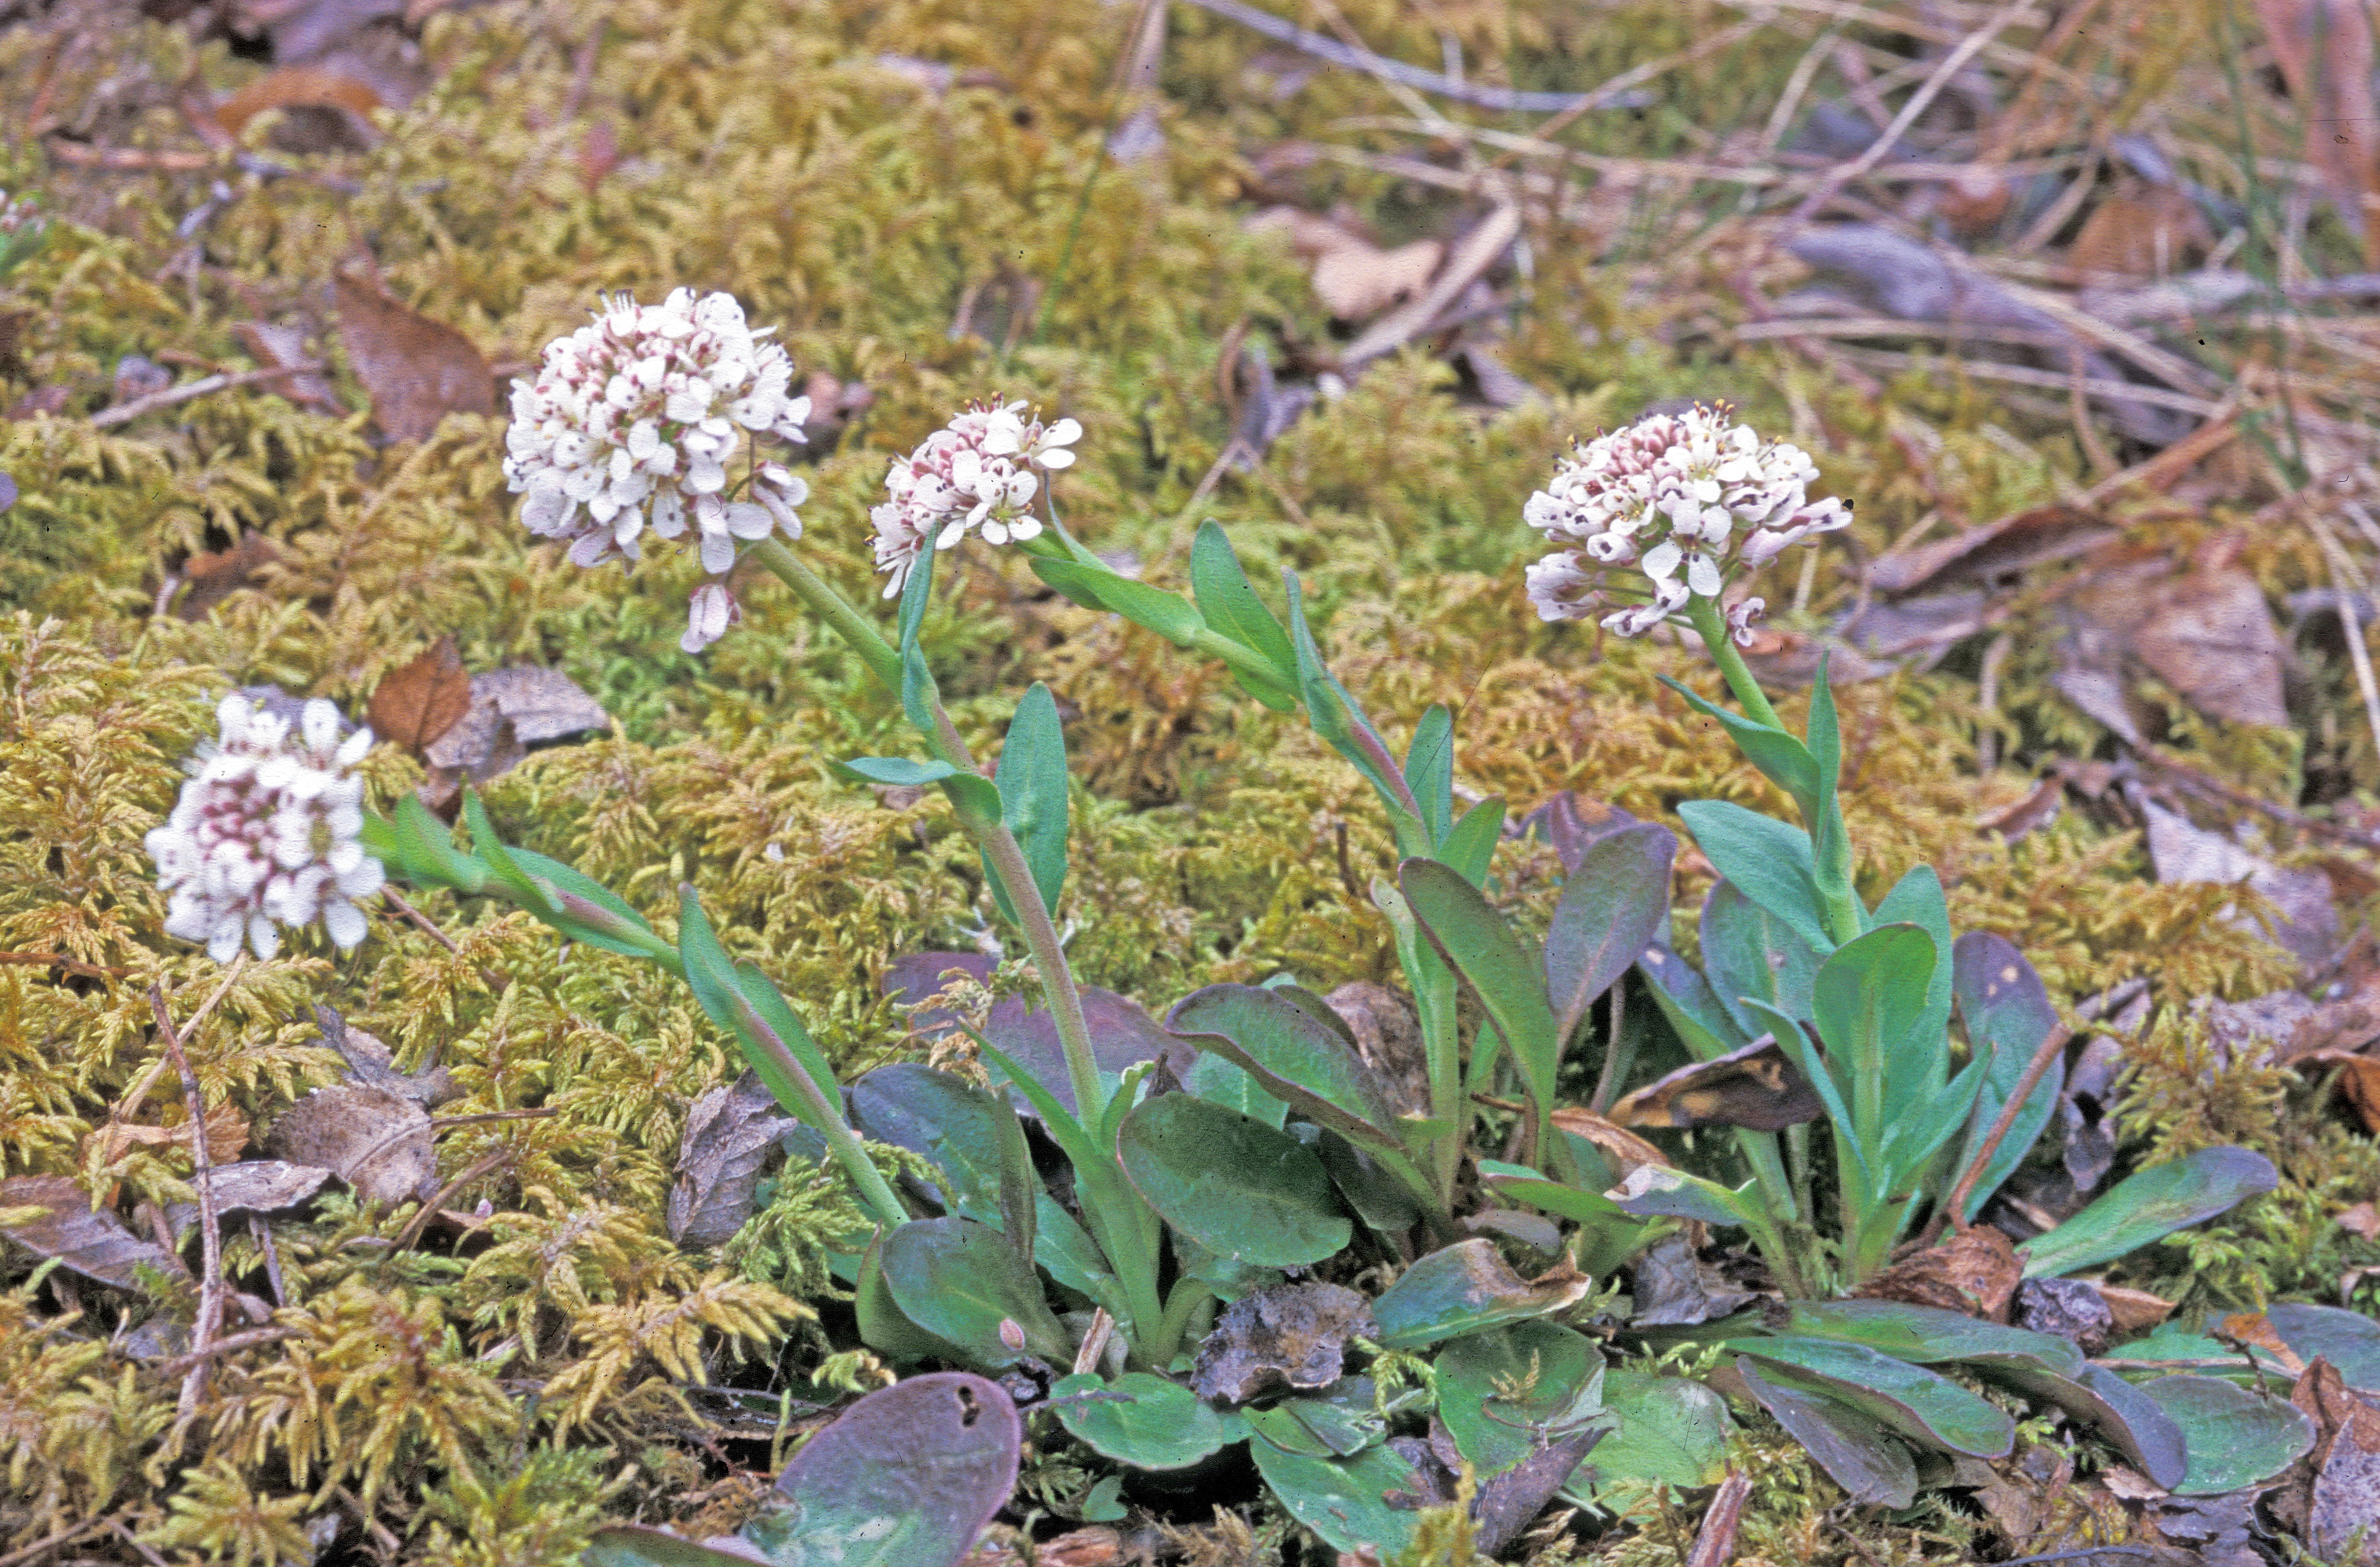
[972, 475]
[1673, 493]
[266, 832]
[637, 418]
[1740, 619]
[709, 614]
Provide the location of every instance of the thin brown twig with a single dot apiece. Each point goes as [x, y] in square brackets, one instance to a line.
[59, 960]
[123, 413]
[147, 1552]
[64, 1536]
[440, 1123]
[210, 1274]
[487, 977]
[135, 1096]
[231, 1344]
[1955, 1205]
[1715, 1540]
[420, 1220]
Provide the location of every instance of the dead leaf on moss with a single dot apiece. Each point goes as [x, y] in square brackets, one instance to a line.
[96, 1246]
[1674, 1287]
[730, 1134]
[1286, 1336]
[2132, 1312]
[2028, 815]
[2210, 636]
[254, 1186]
[2363, 1219]
[417, 369]
[1994, 550]
[215, 575]
[2141, 229]
[227, 1132]
[376, 1141]
[2305, 920]
[349, 102]
[277, 347]
[419, 701]
[373, 1063]
[543, 704]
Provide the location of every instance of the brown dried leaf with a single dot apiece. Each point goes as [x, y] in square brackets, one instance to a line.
[96, 1246]
[1754, 1087]
[482, 745]
[2306, 921]
[2028, 815]
[373, 1063]
[375, 1141]
[730, 1134]
[544, 704]
[2140, 229]
[2251, 1328]
[1623, 1150]
[1973, 1270]
[418, 702]
[226, 1136]
[417, 369]
[2211, 636]
[2324, 48]
[1388, 1037]
[215, 575]
[1355, 282]
[2132, 1311]
[1674, 1287]
[2334, 1489]
[2362, 1220]
[1286, 1336]
[276, 347]
[306, 30]
[308, 86]
[1994, 549]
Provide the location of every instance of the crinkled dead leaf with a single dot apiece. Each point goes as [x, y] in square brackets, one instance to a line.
[730, 1135]
[255, 1186]
[2210, 636]
[227, 1133]
[417, 369]
[1388, 1036]
[2140, 229]
[1975, 1271]
[2306, 920]
[376, 1141]
[2132, 1312]
[1283, 1337]
[1994, 550]
[371, 1063]
[1674, 1287]
[217, 574]
[418, 702]
[275, 346]
[351, 103]
[2070, 1308]
[543, 704]
[2335, 1489]
[96, 1246]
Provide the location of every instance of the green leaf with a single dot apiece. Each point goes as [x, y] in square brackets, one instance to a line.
[1927, 1335]
[959, 1280]
[1462, 1288]
[426, 852]
[1866, 998]
[490, 850]
[1334, 715]
[1429, 770]
[2349, 1340]
[1227, 601]
[1611, 908]
[883, 1325]
[1379, 1197]
[1217, 1081]
[1826, 1078]
[1503, 1393]
[626, 931]
[774, 1042]
[1234, 1184]
[640, 1545]
[2235, 1438]
[1340, 1499]
[971, 1139]
[1067, 1251]
[1874, 1469]
[2148, 1207]
[1693, 1012]
[1339, 1421]
[906, 1477]
[1915, 1077]
[1031, 779]
[1296, 1058]
[1469, 846]
[1668, 1429]
[1783, 759]
[1171, 616]
[2007, 1012]
[1749, 952]
[1922, 1405]
[1518, 1183]
[2126, 1418]
[1474, 940]
[1653, 1192]
[1145, 1421]
[1768, 860]
[973, 790]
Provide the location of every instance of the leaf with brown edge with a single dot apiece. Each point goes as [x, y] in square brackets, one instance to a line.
[1754, 1087]
[417, 702]
[54, 1219]
[417, 369]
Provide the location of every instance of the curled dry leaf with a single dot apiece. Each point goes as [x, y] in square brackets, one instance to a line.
[543, 704]
[371, 1063]
[351, 100]
[216, 575]
[376, 1141]
[1623, 1150]
[1754, 1087]
[1388, 1036]
[226, 1136]
[1674, 1287]
[255, 1186]
[419, 701]
[1975, 1272]
[1286, 1336]
[96, 1246]
[730, 1135]
[417, 369]
[2335, 1489]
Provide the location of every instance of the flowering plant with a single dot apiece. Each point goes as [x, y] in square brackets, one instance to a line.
[634, 418]
[266, 832]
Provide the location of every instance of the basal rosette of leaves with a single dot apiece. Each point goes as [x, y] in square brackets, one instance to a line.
[383, 548]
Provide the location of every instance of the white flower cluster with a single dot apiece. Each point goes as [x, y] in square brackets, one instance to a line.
[265, 831]
[634, 417]
[1668, 494]
[973, 473]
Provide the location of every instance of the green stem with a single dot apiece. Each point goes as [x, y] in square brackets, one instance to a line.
[1006, 857]
[823, 602]
[1705, 616]
[1185, 1299]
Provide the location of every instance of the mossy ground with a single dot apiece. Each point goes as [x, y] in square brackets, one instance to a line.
[488, 1397]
